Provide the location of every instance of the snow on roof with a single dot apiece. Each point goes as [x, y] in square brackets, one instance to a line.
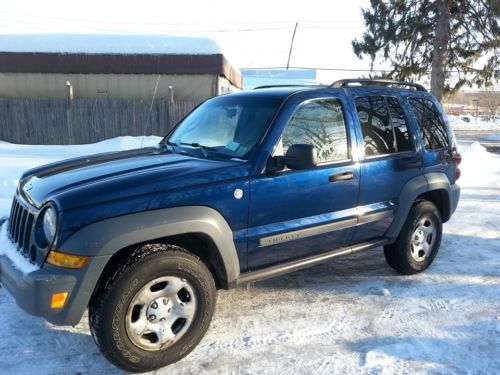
[109, 44]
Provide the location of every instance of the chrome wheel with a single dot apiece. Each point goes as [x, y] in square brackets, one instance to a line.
[422, 239]
[161, 313]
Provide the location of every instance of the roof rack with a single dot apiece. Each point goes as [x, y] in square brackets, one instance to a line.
[374, 82]
[290, 85]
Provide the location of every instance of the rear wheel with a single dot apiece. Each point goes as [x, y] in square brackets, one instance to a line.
[154, 309]
[418, 242]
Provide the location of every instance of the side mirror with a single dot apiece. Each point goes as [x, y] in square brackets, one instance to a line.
[298, 156]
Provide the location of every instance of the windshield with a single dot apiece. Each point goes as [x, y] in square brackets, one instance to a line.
[226, 126]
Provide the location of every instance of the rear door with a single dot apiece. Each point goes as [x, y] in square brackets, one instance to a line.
[390, 160]
[297, 213]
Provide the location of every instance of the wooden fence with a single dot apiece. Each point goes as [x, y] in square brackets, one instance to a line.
[59, 121]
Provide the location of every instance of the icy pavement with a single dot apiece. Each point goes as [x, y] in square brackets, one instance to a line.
[353, 315]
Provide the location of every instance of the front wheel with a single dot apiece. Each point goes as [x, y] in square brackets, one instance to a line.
[154, 309]
[418, 242]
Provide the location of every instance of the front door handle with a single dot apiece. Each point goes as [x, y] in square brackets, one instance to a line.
[344, 176]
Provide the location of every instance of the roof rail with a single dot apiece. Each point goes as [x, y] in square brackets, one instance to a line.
[290, 85]
[375, 82]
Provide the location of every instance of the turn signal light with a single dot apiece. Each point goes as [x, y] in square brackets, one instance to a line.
[58, 300]
[66, 260]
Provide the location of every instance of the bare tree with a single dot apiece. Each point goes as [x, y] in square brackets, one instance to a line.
[490, 99]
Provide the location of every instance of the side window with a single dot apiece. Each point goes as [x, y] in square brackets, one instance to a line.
[383, 125]
[432, 127]
[321, 124]
[378, 138]
[399, 126]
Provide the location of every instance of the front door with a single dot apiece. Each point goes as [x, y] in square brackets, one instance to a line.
[297, 213]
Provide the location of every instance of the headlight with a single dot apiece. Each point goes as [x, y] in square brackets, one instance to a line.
[49, 224]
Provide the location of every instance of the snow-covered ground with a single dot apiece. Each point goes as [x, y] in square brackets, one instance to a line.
[458, 123]
[353, 315]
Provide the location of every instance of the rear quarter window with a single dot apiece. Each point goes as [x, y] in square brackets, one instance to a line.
[432, 127]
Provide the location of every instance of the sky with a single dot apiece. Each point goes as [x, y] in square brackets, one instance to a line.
[252, 34]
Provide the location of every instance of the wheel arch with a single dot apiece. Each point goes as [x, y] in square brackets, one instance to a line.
[434, 187]
[199, 229]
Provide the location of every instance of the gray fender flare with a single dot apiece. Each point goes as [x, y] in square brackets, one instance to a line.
[439, 181]
[103, 239]
[411, 190]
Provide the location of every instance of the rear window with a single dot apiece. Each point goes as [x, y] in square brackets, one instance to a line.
[432, 128]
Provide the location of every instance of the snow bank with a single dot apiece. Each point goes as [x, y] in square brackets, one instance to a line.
[476, 165]
[9, 249]
[15, 159]
[108, 43]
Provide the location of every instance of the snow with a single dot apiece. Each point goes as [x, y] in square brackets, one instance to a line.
[458, 123]
[108, 43]
[8, 249]
[353, 315]
[15, 159]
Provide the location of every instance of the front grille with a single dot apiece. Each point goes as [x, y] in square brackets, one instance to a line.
[20, 227]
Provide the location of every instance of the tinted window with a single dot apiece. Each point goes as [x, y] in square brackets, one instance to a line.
[432, 127]
[383, 125]
[321, 124]
[398, 123]
[374, 117]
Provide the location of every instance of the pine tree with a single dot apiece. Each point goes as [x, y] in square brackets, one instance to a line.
[456, 41]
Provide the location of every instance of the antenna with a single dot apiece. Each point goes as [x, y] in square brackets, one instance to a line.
[291, 45]
[149, 113]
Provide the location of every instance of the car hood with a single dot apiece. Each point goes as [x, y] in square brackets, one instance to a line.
[117, 175]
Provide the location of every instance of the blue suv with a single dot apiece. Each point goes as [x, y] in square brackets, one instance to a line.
[247, 187]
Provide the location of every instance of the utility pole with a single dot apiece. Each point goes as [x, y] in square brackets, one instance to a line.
[477, 106]
[291, 45]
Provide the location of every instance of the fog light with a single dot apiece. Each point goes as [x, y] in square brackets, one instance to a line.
[58, 300]
[66, 260]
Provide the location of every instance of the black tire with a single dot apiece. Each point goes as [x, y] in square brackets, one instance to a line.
[399, 254]
[108, 309]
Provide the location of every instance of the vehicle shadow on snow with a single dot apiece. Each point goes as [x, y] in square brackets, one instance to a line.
[459, 259]
[470, 347]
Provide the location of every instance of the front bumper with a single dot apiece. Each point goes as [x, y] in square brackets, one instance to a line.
[33, 291]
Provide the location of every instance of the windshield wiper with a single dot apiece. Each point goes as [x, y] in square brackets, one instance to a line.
[202, 148]
[169, 143]
[197, 145]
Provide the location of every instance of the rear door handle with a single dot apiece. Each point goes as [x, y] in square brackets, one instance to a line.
[411, 162]
[341, 176]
